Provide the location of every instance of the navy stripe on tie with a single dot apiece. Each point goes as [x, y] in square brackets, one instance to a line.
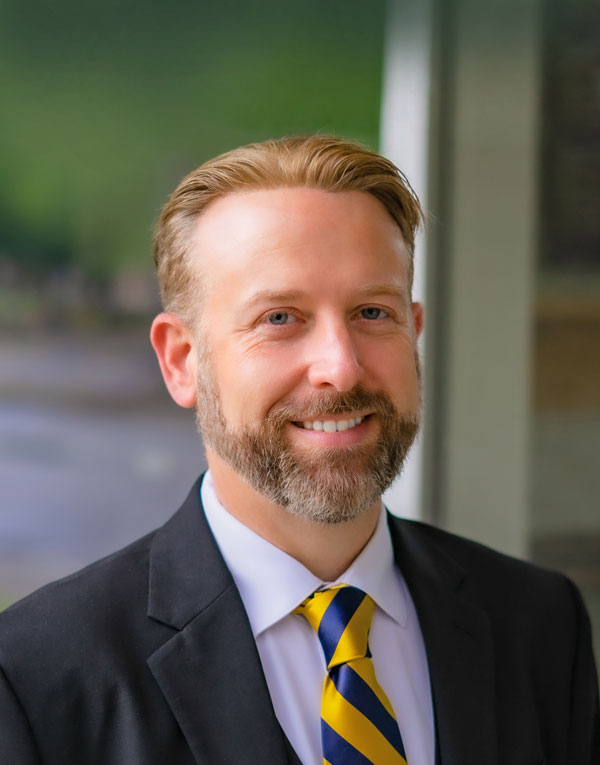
[336, 618]
[353, 688]
[338, 751]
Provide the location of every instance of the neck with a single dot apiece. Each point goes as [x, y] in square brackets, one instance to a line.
[326, 550]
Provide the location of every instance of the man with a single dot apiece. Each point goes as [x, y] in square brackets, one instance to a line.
[280, 616]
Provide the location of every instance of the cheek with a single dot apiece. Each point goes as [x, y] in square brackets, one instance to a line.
[393, 369]
[251, 383]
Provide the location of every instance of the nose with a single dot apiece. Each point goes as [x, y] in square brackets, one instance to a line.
[333, 359]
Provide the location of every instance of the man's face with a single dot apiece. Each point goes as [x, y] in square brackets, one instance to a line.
[308, 375]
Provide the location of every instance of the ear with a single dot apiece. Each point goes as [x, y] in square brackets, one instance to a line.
[418, 317]
[172, 342]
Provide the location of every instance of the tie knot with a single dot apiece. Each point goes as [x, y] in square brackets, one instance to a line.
[341, 617]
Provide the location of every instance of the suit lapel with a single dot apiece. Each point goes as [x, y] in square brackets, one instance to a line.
[459, 648]
[209, 671]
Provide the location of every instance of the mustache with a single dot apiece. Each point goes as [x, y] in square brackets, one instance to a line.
[321, 404]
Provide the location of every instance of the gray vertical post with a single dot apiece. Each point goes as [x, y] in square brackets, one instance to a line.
[487, 238]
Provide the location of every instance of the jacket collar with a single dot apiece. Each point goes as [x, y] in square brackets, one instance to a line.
[210, 667]
[458, 643]
[209, 671]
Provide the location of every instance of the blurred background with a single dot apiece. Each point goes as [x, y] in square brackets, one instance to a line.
[493, 111]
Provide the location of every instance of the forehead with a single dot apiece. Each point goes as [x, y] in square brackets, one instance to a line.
[295, 233]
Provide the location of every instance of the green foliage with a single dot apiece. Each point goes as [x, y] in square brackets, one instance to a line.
[107, 104]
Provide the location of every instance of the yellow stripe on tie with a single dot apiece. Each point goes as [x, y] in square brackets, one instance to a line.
[357, 718]
[356, 729]
[318, 606]
[353, 642]
[366, 670]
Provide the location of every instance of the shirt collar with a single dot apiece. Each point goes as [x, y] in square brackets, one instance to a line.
[267, 598]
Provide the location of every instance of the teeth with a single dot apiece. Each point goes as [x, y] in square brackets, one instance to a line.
[332, 426]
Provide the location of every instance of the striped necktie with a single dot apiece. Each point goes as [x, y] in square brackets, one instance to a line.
[358, 725]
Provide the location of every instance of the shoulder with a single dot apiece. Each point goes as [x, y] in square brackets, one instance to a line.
[494, 580]
[111, 591]
[84, 587]
[67, 648]
[466, 552]
[101, 613]
[91, 605]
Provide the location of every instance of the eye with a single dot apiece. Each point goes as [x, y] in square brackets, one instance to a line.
[281, 317]
[373, 313]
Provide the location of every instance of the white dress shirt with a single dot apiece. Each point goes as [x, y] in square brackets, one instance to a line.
[272, 583]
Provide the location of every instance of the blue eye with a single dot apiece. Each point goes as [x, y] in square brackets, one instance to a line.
[281, 317]
[373, 313]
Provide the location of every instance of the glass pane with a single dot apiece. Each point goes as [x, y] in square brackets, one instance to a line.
[565, 522]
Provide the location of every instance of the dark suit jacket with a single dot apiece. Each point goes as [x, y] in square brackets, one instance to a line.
[147, 657]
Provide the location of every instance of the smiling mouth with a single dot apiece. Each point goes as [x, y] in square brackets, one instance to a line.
[331, 426]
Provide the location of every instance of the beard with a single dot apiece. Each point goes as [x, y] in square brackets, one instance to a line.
[322, 485]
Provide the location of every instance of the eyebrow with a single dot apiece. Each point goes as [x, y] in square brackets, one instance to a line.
[273, 296]
[393, 290]
[284, 296]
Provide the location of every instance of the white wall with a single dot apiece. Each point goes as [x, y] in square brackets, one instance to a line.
[404, 139]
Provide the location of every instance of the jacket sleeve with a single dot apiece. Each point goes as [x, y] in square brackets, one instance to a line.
[584, 729]
[17, 744]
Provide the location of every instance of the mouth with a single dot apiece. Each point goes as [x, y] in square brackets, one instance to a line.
[330, 425]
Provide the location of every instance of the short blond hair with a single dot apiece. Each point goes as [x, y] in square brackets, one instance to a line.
[320, 162]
